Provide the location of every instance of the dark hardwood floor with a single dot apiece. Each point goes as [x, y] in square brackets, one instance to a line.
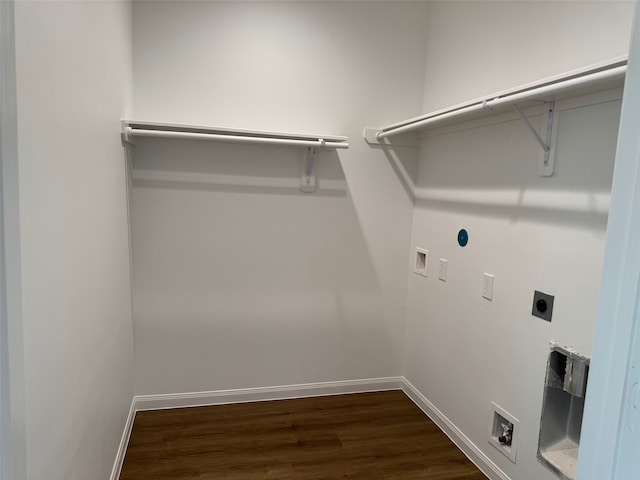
[368, 436]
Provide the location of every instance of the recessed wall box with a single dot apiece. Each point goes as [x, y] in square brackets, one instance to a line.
[562, 409]
[421, 261]
[503, 432]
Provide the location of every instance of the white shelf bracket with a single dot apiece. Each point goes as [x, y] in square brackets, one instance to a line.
[547, 155]
[126, 136]
[308, 177]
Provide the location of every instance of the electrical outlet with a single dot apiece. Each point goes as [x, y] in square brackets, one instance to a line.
[487, 286]
[542, 305]
[442, 271]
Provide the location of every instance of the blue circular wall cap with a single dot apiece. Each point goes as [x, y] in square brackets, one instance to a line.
[463, 238]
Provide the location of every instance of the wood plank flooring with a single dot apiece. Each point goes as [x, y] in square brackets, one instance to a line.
[368, 436]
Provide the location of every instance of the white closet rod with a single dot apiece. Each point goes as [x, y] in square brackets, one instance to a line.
[319, 143]
[535, 93]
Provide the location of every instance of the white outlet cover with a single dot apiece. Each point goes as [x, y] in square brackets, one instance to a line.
[442, 271]
[487, 286]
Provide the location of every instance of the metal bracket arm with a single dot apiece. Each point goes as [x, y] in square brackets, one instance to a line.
[308, 178]
[545, 145]
[546, 160]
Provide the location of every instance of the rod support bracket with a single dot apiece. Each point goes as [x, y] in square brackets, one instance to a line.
[546, 160]
[308, 177]
[125, 135]
[370, 136]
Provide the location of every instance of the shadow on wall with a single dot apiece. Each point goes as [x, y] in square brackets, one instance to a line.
[189, 165]
[404, 161]
[241, 279]
[492, 170]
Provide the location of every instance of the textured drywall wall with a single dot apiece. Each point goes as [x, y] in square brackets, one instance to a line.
[476, 48]
[532, 233]
[240, 279]
[73, 62]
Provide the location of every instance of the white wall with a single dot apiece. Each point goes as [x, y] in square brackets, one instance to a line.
[73, 64]
[12, 445]
[476, 48]
[256, 285]
[530, 232]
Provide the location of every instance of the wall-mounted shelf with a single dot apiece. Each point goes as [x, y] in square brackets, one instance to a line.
[132, 129]
[312, 142]
[592, 79]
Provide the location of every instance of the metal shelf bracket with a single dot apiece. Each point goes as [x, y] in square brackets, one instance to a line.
[546, 160]
[308, 177]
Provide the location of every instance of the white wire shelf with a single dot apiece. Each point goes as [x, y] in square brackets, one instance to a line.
[132, 129]
[601, 77]
[312, 143]
[594, 78]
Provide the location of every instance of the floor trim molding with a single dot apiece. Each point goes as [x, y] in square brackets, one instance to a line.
[124, 442]
[470, 449]
[220, 397]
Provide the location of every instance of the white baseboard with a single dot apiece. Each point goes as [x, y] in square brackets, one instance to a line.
[219, 397]
[470, 449]
[124, 441]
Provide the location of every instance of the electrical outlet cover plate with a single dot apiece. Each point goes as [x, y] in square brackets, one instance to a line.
[542, 305]
[442, 271]
[487, 286]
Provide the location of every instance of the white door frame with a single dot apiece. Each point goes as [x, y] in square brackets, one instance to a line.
[607, 443]
[4, 360]
[12, 405]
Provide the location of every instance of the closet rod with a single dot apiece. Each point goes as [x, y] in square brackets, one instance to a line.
[535, 93]
[321, 143]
